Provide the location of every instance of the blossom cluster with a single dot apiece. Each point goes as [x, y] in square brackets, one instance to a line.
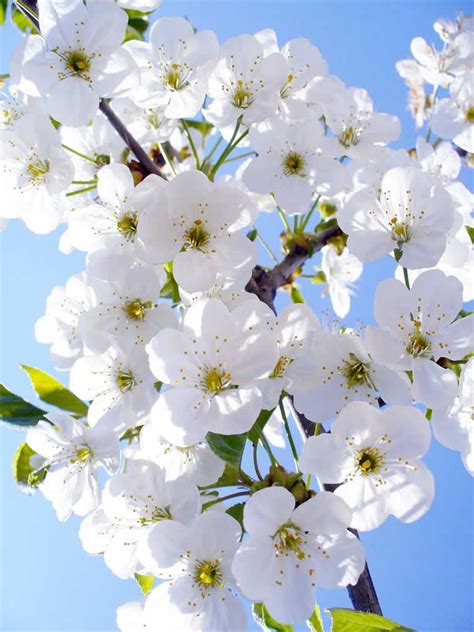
[164, 333]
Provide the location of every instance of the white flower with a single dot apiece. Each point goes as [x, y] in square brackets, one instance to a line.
[294, 330]
[344, 372]
[59, 325]
[452, 425]
[133, 505]
[136, 5]
[417, 328]
[291, 551]
[198, 227]
[453, 118]
[413, 216]
[76, 63]
[73, 452]
[147, 125]
[340, 272]
[34, 174]
[211, 367]
[130, 617]
[442, 162]
[175, 67]
[375, 455]
[196, 461]
[244, 83]
[112, 221]
[195, 560]
[291, 163]
[119, 382]
[126, 306]
[349, 113]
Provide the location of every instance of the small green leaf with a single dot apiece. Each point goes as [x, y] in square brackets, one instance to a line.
[229, 478]
[315, 622]
[53, 392]
[22, 22]
[3, 11]
[139, 24]
[228, 447]
[319, 277]
[145, 582]
[252, 234]
[266, 621]
[22, 467]
[296, 295]
[170, 289]
[132, 34]
[353, 621]
[259, 425]
[237, 512]
[201, 126]
[17, 411]
[470, 232]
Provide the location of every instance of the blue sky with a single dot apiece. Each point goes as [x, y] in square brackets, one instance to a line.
[423, 572]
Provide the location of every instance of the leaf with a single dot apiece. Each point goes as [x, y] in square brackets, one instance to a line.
[145, 582]
[259, 425]
[132, 34]
[22, 22]
[296, 295]
[201, 126]
[139, 24]
[53, 392]
[22, 467]
[229, 478]
[315, 622]
[3, 11]
[266, 621]
[319, 277]
[228, 447]
[237, 512]
[17, 411]
[353, 621]
[170, 289]
[470, 232]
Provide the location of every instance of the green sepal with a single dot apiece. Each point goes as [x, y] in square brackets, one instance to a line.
[295, 295]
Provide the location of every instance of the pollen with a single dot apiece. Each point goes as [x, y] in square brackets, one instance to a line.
[280, 367]
[136, 310]
[369, 461]
[294, 164]
[208, 573]
[127, 225]
[196, 237]
[125, 381]
[355, 371]
[216, 380]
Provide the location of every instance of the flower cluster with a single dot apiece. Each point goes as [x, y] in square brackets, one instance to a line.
[171, 335]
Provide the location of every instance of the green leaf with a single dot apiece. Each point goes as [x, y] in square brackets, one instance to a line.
[228, 447]
[229, 478]
[170, 289]
[17, 411]
[353, 621]
[22, 22]
[145, 582]
[22, 467]
[259, 425]
[296, 295]
[252, 234]
[132, 34]
[470, 231]
[315, 622]
[53, 392]
[319, 277]
[139, 24]
[201, 126]
[237, 512]
[266, 621]
[3, 11]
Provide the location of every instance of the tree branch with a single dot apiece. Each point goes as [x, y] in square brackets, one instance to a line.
[30, 11]
[266, 283]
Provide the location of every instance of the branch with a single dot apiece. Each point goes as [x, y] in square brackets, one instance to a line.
[30, 11]
[265, 283]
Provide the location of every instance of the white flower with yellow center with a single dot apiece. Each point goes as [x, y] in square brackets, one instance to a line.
[245, 82]
[453, 118]
[73, 63]
[72, 453]
[375, 455]
[289, 552]
[340, 273]
[133, 505]
[195, 560]
[199, 225]
[411, 218]
[417, 327]
[343, 371]
[211, 368]
[174, 67]
[35, 173]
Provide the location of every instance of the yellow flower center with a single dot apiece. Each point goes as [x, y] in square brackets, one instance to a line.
[280, 367]
[418, 343]
[127, 225]
[208, 573]
[83, 454]
[136, 310]
[349, 136]
[294, 164]
[125, 381]
[355, 371]
[77, 62]
[289, 537]
[470, 115]
[37, 170]
[216, 380]
[242, 97]
[369, 461]
[196, 237]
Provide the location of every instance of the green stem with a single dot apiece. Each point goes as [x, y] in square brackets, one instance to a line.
[85, 181]
[213, 150]
[79, 191]
[78, 153]
[266, 445]
[405, 276]
[191, 142]
[288, 432]
[308, 216]
[241, 157]
[166, 158]
[255, 461]
[231, 145]
[267, 247]
[317, 431]
[228, 497]
[284, 219]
